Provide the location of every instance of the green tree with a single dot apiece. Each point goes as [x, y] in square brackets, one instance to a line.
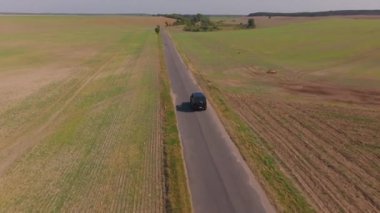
[157, 29]
[197, 18]
[251, 23]
[199, 23]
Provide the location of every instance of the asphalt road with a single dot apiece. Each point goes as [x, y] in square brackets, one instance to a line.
[219, 178]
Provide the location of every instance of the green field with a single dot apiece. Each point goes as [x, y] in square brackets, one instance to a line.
[81, 122]
[337, 50]
[300, 98]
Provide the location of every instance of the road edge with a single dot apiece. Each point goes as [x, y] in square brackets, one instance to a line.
[177, 193]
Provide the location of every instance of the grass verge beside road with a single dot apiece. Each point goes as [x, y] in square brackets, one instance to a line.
[178, 198]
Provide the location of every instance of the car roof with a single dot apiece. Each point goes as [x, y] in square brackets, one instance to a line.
[198, 94]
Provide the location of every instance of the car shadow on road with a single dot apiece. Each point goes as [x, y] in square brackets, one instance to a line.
[184, 107]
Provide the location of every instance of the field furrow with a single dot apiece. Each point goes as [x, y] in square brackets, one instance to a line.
[309, 145]
[364, 174]
[284, 144]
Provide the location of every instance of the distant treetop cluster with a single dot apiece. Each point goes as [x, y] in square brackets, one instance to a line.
[194, 23]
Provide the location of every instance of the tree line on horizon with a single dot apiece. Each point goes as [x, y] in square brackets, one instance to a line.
[193, 23]
[202, 23]
[321, 13]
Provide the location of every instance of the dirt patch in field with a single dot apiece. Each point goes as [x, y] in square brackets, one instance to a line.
[275, 21]
[360, 17]
[16, 85]
[336, 93]
[131, 20]
[293, 82]
[264, 21]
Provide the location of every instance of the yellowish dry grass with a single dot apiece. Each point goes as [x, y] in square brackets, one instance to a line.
[88, 138]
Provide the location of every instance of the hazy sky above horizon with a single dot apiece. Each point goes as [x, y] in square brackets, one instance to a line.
[183, 6]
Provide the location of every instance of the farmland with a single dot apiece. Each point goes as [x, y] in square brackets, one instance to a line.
[80, 115]
[300, 99]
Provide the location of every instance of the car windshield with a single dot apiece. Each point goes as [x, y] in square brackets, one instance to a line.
[200, 99]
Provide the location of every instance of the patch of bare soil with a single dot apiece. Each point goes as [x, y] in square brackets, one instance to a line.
[264, 21]
[21, 144]
[16, 85]
[362, 17]
[335, 93]
[274, 21]
[293, 82]
[332, 150]
[130, 21]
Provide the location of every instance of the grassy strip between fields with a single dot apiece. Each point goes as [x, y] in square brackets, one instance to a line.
[280, 189]
[176, 188]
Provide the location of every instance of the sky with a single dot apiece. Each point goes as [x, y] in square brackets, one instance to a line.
[183, 6]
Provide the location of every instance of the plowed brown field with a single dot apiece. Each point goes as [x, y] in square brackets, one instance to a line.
[330, 150]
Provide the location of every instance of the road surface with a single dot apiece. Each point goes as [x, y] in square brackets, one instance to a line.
[218, 177]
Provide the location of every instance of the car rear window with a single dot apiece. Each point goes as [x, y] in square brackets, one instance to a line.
[200, 99]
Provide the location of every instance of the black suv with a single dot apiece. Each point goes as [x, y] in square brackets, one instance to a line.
[198, 101]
